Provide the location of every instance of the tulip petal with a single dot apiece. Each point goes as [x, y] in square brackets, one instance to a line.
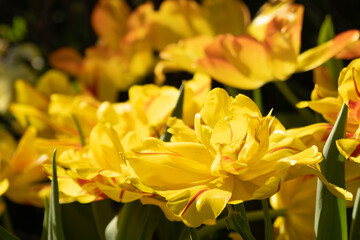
[314, 57]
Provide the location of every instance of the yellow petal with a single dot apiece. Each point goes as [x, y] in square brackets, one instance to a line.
[349, 148]
[26, 94]
[235, 61]
[54, 81]
[106, 148]
[200, 204]
[67, 59]
[216, 106]
[166, 166]
[180, 131]
[4, 185]
[314, 57]
[194, 96]
[109, 20]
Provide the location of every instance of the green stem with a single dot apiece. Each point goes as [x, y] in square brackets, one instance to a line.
[269, 235]
[237, 221]
[258, 99]
[259, 214]
[100, 225]
[81, 134]
[206, 231]
[355, 230]
[293, 100]
[189, 233]
[177, 112]
[6, 219]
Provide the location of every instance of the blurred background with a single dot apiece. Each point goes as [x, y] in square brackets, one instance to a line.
[55, 23]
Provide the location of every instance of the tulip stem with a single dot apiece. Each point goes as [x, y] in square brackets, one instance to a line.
[293, 100]
[207, 231]
[354, 230]
[258, 99]
[269, 235]
[259, 214]
[6, 220]
[81, 134]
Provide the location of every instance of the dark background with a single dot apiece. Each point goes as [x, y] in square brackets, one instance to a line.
[55, 23]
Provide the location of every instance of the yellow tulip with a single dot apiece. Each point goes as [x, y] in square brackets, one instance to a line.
[22, 178]
[117, 61]
[177, 20]
[297, 197]
[272, 45]
[233, 155]
[32, 102]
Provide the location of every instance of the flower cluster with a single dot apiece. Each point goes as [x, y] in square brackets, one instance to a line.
[191, 151]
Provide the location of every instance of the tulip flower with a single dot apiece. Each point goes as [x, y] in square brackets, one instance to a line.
[97, 169]
[124, 53]
[233, 155]
[22, 178]
[271, 43]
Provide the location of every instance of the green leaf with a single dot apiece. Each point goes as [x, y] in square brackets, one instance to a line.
[330, 212]
[134, 221]
[55, 230]
[81, 134]
[168, 229]
[102, 212]
[177, 112]
[355, 224]
[327, 33]
[189, 234]
[79, 220]
[268, 225]
[5, 235]
[258, 99]
[44, 233]
[237, 221]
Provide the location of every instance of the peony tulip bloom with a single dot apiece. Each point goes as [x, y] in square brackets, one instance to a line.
[234, 154]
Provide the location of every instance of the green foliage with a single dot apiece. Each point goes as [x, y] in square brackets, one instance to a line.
[134, 221]
[327, 33]
[355, 229]
[330, 212]
[177, 112]
[54, 229]
[5, 235]
[238, 222]
[16, 32]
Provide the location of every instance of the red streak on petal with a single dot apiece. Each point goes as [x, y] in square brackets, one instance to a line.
[227, 159]
[278, 187]
[192, 200]
[203, 88]
[231, 132]
[280, 148]
[122, 194]
[356, 152]
[318, 93]
[148, 103]
[94, 85]
[356, 89]
[353, 179]
[307, 177]
[114, 180]
[82, 182]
